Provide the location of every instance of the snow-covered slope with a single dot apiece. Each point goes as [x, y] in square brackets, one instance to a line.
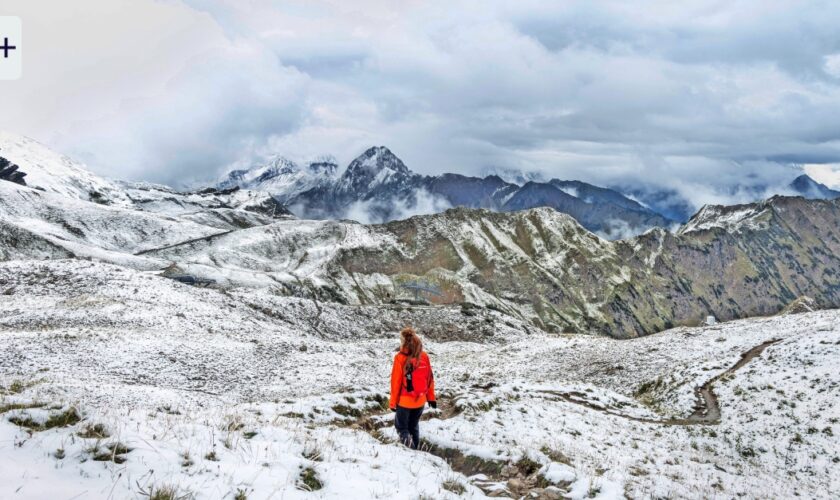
[116, 382]
[542, 266]
[282, 178]
[213, 392]
[49, 171]
[65, 210]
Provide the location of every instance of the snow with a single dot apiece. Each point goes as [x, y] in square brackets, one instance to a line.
[281, 177]
[558, 473]
[248, 385]
[56, 173]
[167, 368]
[729, 218]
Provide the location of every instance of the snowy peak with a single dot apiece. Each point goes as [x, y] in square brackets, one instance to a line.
[49, 171]
[374, 169]
[257, 176]
[281, 177]
[376, 162]
[811, 189]
[750, 216]
[513, 176]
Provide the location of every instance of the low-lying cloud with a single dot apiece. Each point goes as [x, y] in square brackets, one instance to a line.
[420, 202]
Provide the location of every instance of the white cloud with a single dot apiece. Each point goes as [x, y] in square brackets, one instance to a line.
[700, 97]
[826, 174]
[420, 202]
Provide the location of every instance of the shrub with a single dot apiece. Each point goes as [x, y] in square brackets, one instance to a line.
[527, 466]
[94, 431]
[309, 480]
[347, 411]
[454, 486]
[63, 419]
[165, 493]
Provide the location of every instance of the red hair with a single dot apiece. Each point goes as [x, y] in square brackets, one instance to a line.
[410, 343]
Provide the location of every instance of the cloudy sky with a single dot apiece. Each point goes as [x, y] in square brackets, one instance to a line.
[699, 96]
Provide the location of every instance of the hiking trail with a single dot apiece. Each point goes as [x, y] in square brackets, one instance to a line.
[706, 409]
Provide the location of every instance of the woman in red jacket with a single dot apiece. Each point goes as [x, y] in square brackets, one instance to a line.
[412, 386]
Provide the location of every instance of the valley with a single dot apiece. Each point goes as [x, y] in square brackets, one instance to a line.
[568, 365]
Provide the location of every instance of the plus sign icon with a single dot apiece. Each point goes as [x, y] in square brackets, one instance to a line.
[11, 48]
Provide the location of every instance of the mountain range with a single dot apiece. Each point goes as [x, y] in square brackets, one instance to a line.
[536, 265]
[378, 187]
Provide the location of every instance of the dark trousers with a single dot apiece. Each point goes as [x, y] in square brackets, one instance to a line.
[407, 422]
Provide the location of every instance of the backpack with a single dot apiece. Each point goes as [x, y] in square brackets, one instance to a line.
[418, 377]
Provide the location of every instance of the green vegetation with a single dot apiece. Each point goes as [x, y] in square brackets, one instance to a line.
[4, 408]
[309, 480]
[63, 419]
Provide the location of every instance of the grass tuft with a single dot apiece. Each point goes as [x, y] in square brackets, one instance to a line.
[165, 492]
[309, 480]
[454, 486]
[94, 431]
[63, 419]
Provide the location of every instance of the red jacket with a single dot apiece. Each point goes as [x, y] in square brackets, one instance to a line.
[398, 391]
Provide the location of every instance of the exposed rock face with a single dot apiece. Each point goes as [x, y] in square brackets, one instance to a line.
[800, 306]
[727, 262]
[11, 172]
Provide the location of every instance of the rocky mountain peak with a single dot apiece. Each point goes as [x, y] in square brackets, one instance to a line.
[809, 188]
[374, 168]
[374, 160]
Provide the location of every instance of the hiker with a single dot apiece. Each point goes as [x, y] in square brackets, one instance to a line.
[412, 386]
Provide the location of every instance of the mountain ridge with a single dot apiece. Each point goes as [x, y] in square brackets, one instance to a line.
[377, 181]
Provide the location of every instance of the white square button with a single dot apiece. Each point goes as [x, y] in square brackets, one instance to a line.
[11, 47]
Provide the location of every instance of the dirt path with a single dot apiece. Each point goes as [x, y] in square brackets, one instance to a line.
[706, 410]
[187, 242]
[521, 478]
[516, 479]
